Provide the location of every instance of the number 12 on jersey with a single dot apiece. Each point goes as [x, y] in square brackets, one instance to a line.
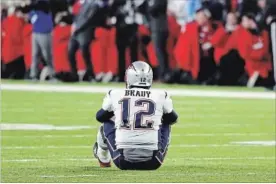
[138, 122]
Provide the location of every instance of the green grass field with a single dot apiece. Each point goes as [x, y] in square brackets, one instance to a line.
[206, 143]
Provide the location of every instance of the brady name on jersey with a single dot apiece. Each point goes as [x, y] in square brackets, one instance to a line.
[137, 93]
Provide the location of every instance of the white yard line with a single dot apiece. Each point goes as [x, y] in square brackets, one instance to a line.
[174, 92]
[22, 126]
[46, 136]
[42, 108]
[213, 145]
[211, 125]
[220, 134]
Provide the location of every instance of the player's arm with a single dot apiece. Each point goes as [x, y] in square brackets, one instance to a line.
[170, 116]
[103, 115]
[106, 112]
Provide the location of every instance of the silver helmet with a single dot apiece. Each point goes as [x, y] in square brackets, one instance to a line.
[139, 74]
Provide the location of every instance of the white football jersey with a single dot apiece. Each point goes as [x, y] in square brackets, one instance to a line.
[138, 115]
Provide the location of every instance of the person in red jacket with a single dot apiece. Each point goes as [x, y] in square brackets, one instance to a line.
[12, 44]
[193, 52]
[229, 66]
[222, 35]
[254, 50]
[61, 36]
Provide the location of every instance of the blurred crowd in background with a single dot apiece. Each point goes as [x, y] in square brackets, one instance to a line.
[211, 42]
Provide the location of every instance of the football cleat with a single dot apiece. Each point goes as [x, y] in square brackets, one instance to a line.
[95, 151]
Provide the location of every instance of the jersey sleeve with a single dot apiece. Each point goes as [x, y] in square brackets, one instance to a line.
[107, 102]
[168, 105]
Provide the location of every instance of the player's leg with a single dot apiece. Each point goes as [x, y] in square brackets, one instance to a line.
[85, 40]
[121, 44]
[164, 138]
[105, 145]
[72, 50]
[46, 49]
[36, 51]
[164, 141]
[100, 149]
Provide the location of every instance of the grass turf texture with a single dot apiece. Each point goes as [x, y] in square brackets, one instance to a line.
[200, 151]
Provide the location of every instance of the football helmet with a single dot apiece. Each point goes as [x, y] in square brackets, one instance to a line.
[139, 74]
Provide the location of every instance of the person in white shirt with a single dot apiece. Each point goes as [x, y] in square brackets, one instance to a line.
[136, 123]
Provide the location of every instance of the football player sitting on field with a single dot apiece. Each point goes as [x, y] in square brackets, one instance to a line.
[136, 123]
